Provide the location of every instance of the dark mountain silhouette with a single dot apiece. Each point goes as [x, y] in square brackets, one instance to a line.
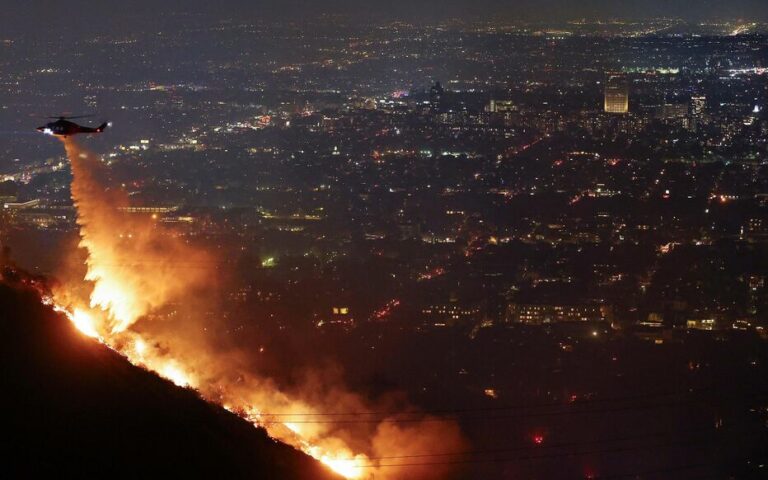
[73, 408]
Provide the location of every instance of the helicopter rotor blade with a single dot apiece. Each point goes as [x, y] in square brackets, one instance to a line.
[66, 117]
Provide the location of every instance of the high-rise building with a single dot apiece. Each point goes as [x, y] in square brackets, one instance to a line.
[436, 96]
[542, 313]
[672, 111]
[698, 105]
[617, 94]
[501, 106]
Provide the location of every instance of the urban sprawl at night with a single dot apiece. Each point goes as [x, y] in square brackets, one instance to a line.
[549, 238]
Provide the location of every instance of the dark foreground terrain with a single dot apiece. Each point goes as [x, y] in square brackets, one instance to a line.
[73, 408]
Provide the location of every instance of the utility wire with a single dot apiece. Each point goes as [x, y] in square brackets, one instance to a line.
[688, 443]
[554, 446]
[413, 419]
[643, 396]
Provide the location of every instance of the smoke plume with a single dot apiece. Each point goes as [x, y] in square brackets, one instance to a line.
[134, 268]
[133, 271]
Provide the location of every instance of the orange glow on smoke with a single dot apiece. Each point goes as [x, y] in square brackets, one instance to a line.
[174, 373]
[131, 269]
[84, 322]
[346, 467]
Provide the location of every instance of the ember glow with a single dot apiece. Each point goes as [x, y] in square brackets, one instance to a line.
[174, 373]
[131, 271]
[84, 322]
[130, 264]
[341, 460]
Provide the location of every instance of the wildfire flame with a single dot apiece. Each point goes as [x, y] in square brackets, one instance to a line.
[346, 467]
[174, 373]
[84, 322]
[344, 463]
[130, 267]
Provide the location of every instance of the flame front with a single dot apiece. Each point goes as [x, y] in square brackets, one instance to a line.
[130, 265]
[342, 461]
[110, 297]
[84, 322]
[132, 269]
[346, 467]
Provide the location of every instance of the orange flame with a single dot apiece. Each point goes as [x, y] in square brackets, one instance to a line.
[84, 322]
[130, 264]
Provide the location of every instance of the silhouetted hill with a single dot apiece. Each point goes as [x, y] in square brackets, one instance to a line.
[75, 409]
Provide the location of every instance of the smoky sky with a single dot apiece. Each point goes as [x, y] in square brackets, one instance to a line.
[36, 14]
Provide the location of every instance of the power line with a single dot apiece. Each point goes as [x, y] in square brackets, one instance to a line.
[551, 446]
[643, 396]
[687, 443]
[422, 419]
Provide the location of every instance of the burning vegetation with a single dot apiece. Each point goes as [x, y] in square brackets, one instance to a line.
[134, 270]
[81, 410]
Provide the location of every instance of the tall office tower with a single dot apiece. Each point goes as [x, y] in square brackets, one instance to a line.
[436, 96]
[501, 106]
[698, 105]
[617, 94]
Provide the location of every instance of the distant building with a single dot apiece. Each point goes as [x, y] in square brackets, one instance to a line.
[617, 94]
[757, 293]
[755, 228]
[22, 205]
[698, 106]
[436, 93]
[501, 106]
[149, 209]
[454, 312]
[672, 111]
[38, 219]
[708, 324]
[409, 231]
[541, 313]
[339, 317]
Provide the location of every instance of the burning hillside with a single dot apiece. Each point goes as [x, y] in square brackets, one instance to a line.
[134, 271]
[76, 409]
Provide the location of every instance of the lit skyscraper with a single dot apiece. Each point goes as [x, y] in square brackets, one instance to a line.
[436, 96]
[616, 94]
[698, 105]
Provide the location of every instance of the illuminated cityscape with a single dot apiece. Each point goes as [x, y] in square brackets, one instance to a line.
[438, 246]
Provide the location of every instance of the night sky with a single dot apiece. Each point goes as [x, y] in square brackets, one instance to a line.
[35, 14]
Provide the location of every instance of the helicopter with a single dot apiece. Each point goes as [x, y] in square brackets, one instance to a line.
[63, 127]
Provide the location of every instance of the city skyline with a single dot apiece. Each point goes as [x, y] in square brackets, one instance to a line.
[431, 246]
